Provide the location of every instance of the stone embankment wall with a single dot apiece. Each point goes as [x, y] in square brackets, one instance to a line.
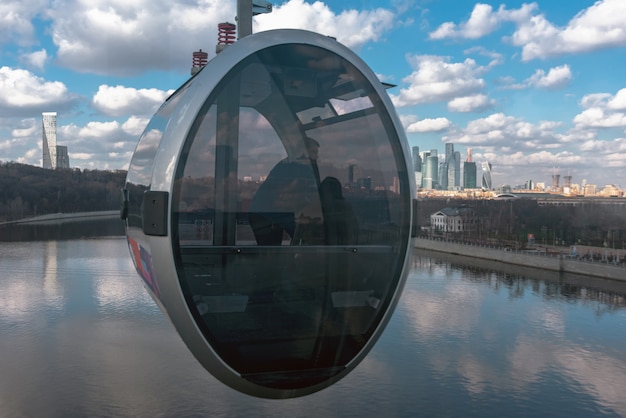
[551, 262]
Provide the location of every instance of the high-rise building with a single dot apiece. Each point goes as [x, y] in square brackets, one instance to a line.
[567, 181]
[449, 151]
[430, 167]
[54, 156]
[446, 175]
[351, 175]
[469, 171]
[486, 178]
[555, 181]
[457, 169]
[417, 159]
[49, 139]
[418, 180]
[443, 175]
[469, 175]
[63, 159]
[450, 170]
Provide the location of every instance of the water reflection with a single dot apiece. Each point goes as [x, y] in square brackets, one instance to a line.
[514, 334]
[80, 337]
[63, 229]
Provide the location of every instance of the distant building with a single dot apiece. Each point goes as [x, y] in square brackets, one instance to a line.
[417, 159]
[448, 177]
[486, 178]
[589, 189]
[567, 181]
[460, 219]
[63, 159]
[54, 156]
[430, 167]
[49, 139]
[469, 175]
[555, 181]
[443, 175]
[454, 171]
[457, 170]
[610, 190]
[418, 180]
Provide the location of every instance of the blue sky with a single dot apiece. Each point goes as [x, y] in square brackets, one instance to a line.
[533, 88]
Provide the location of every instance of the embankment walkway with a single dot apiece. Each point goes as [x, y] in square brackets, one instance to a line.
[546, 261]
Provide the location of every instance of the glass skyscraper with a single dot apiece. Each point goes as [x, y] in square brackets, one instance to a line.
[469, 175]
[430, 167]
[417, 159]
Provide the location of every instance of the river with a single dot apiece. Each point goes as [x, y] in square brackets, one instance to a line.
[79, 336]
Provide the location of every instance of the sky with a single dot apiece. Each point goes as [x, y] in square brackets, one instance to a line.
[534, 88]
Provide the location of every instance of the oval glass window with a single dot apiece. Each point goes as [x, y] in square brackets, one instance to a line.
[290, 217]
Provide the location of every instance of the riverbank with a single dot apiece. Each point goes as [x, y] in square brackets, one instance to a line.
[55, 217]
[546, 261]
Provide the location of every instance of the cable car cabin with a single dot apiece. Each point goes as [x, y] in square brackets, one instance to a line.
[268, 208]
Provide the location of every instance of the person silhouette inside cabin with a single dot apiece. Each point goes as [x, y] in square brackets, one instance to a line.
[340, 222]
[288, 188]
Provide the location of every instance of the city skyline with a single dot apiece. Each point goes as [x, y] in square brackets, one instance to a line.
[528, 86]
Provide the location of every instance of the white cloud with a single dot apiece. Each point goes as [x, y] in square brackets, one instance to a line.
[21, 92]
[618, 102]
[31, 153]
[543, 158]
[101, 144]
[502, 132]
[99, 129]
[594, 145]
[496, 58]
[406, 120]
[36, 59]
[429, 125]
[601, 25]
[135, 125]
[125, 38]
[474, 103]
[15, 20]
[594, 100]
[602, 110]
[557, 78]
[483, 21]
[435, 79]
[80, 156]
[354, 28]
[28, 131]
[599, 118]
[120, 100]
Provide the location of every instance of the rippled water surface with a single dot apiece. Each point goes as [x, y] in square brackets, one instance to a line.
[80, 337]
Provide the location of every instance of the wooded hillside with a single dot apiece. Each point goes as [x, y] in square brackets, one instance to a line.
[26, 190]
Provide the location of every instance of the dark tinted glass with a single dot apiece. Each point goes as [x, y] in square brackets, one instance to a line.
[290, 215]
